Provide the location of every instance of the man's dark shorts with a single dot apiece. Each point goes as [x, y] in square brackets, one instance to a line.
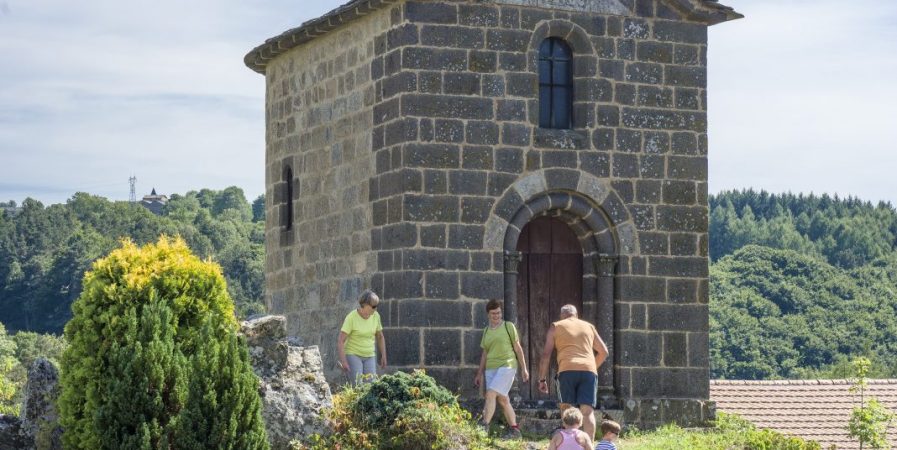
[578, 387]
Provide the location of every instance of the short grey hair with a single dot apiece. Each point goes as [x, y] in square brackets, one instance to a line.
[568, 310]
[368, 297]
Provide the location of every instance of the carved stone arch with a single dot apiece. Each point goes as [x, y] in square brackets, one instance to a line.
[592, 190]
[601, 223]
[573, 34]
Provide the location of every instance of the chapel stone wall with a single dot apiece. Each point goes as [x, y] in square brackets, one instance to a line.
[320, 100]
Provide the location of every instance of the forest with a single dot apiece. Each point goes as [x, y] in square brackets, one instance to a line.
[800, 284]
[45, 250]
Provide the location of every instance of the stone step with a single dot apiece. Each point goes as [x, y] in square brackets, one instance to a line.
[544, 421]
[533, 426]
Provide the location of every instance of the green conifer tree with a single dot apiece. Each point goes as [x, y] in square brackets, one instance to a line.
[154, 361]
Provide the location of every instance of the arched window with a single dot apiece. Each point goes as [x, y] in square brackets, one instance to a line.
[286, 210]
[555, 84]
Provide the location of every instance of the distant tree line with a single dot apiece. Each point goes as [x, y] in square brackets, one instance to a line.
[800, 285]
[847, 233]
[45, 250]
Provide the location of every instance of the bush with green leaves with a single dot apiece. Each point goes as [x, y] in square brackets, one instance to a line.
[10, 386]
[401, 410]
[154, 360]
[12, 375]
[730, 432]
[870, 420]
[384, 400]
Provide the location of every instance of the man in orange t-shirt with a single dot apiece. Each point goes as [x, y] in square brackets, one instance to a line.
[580, 353]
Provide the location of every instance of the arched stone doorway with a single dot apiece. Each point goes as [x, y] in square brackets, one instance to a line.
[598, 242]
[549, 276]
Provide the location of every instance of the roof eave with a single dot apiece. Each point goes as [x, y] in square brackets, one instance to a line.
[710, 12]
[257, 59]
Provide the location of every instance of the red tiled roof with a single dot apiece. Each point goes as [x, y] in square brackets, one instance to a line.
[811, 409]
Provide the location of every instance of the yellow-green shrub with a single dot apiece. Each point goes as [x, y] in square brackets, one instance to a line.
[154, 360]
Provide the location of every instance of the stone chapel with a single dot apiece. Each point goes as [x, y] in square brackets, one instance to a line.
[543, 152]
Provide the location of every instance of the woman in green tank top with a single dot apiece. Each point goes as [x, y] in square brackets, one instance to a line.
[502, 355]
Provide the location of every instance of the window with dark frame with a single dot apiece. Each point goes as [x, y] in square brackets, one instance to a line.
[287, 207]
[555, 84]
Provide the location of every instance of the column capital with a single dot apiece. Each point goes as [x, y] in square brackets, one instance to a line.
[512, 261]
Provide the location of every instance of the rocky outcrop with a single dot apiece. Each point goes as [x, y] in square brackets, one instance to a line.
[38, 427]
[292, 383]
[10, 433]
[39, 418]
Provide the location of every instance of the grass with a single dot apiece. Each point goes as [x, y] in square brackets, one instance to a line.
[728, 433]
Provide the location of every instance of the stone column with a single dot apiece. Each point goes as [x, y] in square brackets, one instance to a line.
[605, 269]
[512, 263]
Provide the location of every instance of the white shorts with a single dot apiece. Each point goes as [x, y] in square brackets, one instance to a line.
[500, 380]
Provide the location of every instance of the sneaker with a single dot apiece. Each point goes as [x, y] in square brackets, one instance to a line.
[513, 433]
[483, 426]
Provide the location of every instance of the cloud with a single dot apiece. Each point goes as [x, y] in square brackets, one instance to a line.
[800, 92]
[94, 92]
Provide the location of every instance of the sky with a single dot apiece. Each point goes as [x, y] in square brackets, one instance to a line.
[802, 96]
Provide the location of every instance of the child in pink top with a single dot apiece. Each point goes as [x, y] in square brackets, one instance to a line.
[571, 438]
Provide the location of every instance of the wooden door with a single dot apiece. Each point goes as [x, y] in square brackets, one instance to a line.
[550, 276]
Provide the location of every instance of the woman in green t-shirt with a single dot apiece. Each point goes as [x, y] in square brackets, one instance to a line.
[356, 340]
[502, 355]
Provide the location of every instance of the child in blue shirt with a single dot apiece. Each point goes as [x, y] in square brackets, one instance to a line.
[610, 430]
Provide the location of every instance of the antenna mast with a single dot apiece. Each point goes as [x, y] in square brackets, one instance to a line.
[133, 181]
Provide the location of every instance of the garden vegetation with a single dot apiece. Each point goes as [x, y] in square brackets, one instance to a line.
[402, 411]
[154, 360]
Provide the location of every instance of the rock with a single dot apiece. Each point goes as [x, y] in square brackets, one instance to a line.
[266, 338]
[38, 427]
[292, 382]
[10, 433]
[39, 417]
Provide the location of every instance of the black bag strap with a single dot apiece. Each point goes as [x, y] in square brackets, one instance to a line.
[511, 339]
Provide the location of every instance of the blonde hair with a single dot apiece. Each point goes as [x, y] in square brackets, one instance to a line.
[572, 417]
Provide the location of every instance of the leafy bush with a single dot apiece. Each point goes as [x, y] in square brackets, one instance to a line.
[759, 439]
[729, 433]
[12, 375]
[870, 420]
[31, 346]
[10, 386]
[153, 359]
[384, 400]
[406, 411]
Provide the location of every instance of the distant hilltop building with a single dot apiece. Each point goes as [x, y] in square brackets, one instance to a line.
[541, 152]
[154, 202]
